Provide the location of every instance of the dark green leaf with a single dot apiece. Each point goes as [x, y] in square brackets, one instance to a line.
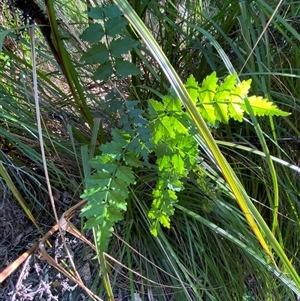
[114, 26]
[103, 72]
[112, 11]
[116, 198]
[125, 68]
[93, 34]
[97, 54]
[132, 160]
[119, 187]
[122, 46]
[103, 167]
[121, 137]
[100, 179]
[93, 208]
[113, 149]
[125, 174]
[96, 13]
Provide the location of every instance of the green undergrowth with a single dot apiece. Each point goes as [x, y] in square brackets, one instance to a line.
[158, 182]
[161, 139]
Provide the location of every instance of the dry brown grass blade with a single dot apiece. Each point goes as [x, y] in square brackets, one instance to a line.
[64, 224]
[16, 264]
[45, 256]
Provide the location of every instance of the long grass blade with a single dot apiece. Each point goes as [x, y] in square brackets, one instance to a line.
[4, 174]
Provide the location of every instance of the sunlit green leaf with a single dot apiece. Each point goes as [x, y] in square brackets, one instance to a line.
[172, 103]
[155, 108]
[262, 106]
[192, 87]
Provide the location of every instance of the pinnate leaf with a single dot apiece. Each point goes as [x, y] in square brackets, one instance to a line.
[192, 87]
[114, 26]
[224, 90]
[110, 216]
[240, 91]
[125, 174]
[96, 13]
[208, 113]
[102, 166]
[162, 129]
[103, 72]
[132, 159]
[221, 111]
[125, 68]
[172, 104]
[262, 106]
[115, 198]
[155, 108]
[178, 164]
[112, 11]
[208, 89]
[113, 149]
[93, 34]
[220, 103]
[97, 54]
[162, 208]
[236, 111]
[122, 46]
[94, 208]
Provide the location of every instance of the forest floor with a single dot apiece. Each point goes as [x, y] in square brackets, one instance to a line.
[36, 279]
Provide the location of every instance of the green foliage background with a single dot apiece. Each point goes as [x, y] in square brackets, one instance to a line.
[143, 157]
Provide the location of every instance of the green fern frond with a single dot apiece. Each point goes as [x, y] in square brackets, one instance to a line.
[219, 103]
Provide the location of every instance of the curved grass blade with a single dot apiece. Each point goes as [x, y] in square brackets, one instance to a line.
[243, 246]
